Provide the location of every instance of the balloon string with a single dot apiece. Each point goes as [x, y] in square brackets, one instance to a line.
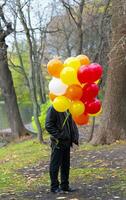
[68, 114]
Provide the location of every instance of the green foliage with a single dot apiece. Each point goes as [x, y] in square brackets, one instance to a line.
[21, 88]
[101, 9]
[101, 95]
[44, 108]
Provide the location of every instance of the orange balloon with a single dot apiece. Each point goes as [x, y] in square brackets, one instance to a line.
[74, 92]
[84, 60]
[54, 67]
[52, 96]
[81, 119]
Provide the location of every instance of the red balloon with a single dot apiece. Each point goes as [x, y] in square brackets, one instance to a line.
[98, 69]
[90, 91]
[83, 73]
[93, 106]
[89, 73]
[81, 119]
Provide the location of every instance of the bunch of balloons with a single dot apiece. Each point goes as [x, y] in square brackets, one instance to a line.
[74, 87]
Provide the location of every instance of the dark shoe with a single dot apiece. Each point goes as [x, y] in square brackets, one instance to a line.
[55, 191]
[68, 189]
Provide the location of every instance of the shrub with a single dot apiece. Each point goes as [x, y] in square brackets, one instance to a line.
[44, 108]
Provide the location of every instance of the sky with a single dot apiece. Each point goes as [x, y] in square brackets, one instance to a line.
[41, 7]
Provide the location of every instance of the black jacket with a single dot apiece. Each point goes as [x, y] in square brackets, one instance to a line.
[54, 125]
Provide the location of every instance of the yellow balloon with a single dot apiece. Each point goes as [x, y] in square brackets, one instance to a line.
[69, 76]
[77, 108]
[61, 103]
[83, 84]
[96, 114]
[72, 62]
[97, 81]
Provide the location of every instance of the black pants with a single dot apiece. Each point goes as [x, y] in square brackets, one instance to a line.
[60, 159]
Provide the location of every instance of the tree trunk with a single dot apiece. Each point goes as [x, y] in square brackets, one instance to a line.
[79, 27]
[113, 120]
[8, 92]
[32, 72]
[35, 107]
[77, 17]
[42, 83]
[80, 40]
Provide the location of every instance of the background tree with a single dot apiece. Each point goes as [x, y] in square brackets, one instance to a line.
[34, 38]
[113, 125]
[35, 69]
[60, 29]
[95, 27]
[75, 11]
[6, 81]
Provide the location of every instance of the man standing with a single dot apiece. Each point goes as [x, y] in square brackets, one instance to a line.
[63, 133]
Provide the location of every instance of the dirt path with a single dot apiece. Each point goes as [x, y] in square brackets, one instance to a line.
[98, 175]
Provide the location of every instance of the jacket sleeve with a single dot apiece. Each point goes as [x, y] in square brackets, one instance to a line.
[51, 123]
[75, 133]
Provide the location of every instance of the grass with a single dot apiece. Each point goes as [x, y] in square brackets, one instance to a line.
[29, 153]
[88, 174]
[89, 147]
[18, 156]
[119, 184]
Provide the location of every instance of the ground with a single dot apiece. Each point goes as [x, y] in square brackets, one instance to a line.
[98, 173]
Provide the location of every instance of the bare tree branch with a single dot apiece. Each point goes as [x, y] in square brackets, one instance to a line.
[8, 25]
[70, 11]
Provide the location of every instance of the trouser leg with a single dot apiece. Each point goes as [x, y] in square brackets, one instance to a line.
[54, 166]
[65, 168]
